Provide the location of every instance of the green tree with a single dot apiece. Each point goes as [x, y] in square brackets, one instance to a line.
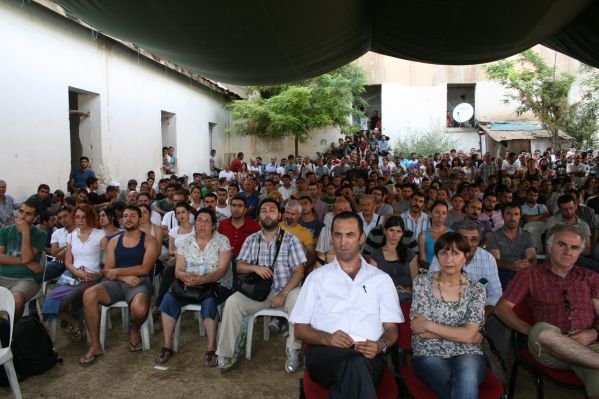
[427, 142]
[582, 122]
[296, 109]
[536, 87]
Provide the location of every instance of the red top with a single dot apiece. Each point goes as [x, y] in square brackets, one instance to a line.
[562, 302]
[236, 165]
[237, 236]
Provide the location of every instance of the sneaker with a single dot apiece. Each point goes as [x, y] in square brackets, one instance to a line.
[284, 331]
[225, 363]
[292, 363]
[274, 325]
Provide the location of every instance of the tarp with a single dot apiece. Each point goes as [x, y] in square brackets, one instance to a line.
[275, 41]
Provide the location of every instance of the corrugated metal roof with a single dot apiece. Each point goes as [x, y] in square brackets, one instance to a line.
[500, 131]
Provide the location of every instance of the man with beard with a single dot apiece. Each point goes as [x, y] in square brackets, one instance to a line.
[415, 220]
[128, 262]
[347, 354]
[473, 210]
[286, 267]
[489, 214]
[512, 246]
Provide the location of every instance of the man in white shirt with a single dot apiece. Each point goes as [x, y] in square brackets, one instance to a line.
[348, 312]
[286, 189]
[272, 167]
[58, 243]
[221, 202]
[227, 173]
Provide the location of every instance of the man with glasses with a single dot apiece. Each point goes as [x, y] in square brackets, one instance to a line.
[564, 300]
[21, 249]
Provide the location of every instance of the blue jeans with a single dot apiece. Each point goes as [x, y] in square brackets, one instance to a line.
[172, 306]
[456, 377]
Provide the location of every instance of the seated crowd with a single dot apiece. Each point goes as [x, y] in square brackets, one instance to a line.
[338, 243]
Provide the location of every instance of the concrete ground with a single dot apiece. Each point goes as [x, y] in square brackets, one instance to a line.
[120, 374]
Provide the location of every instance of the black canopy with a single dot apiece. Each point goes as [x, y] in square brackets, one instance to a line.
[275, 41]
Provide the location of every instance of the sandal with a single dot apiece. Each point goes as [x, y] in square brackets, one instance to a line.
[211, 359]
[135, 347]
[164, 355]
[86, 360]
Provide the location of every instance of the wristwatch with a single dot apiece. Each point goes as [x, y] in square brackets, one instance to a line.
[384, 351]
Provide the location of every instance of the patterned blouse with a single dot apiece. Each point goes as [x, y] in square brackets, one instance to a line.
[195, 257]
[470, 309]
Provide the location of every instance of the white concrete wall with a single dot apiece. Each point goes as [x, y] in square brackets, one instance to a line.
[42, 55]
[409, 110]
[228, 146]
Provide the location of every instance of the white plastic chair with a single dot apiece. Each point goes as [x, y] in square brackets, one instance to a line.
[124, 306]
[7, 304]
[537, 229]
[267, 314]
[188, 308]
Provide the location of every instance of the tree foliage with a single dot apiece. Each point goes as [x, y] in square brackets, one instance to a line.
[427, 142]
[296, 109]
[536, 87]
[583, 116]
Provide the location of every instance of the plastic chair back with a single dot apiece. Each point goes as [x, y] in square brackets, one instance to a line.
[537, 229]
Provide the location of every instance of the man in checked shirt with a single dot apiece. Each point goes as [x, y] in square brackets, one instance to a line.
[564, 300]
[257, 255]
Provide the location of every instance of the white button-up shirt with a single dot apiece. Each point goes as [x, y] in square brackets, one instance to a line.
[330, 300]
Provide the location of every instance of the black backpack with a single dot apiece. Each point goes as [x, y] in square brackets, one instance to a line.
[32, 349]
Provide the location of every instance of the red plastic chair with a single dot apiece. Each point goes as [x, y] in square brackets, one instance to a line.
[525, 359]
[310, 389]
[491, 388]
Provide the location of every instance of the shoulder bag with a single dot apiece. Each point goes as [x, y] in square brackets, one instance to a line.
[252, 285]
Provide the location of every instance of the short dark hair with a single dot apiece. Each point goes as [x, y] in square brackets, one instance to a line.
[382, 189]
[271, 200]
[564, 199]
[45, 216]
[449, 240]
[239, 198]
[133, 208]
[346, 215]
[439, 203]
[91, 180]
[210, 213]
[182, 204]
[511, 205]
[306, 197]
[83, 158]
[210, 195]
[43, 187]
[172, 185]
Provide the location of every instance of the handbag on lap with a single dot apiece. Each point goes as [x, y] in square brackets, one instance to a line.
[252, 285]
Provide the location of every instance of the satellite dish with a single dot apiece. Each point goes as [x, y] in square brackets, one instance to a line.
[463, 112]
